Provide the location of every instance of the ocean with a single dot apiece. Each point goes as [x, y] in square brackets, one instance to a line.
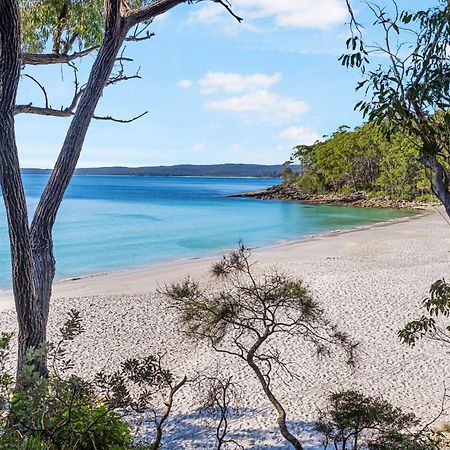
[112, 222]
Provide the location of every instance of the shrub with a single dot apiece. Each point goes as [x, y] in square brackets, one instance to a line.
[63, 411]
[354, 421]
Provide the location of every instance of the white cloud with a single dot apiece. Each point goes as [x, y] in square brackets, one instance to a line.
[184, 84]
[235, 83]
[215, 14]
[299, 135]
[210, 13]
[317, 14]
[199, 147]
[269, 105]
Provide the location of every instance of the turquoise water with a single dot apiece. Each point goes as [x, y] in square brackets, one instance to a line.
[111, 222]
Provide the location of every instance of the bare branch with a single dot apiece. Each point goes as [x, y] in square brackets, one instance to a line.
[161, 6]
[40, 86]
[35, 59]
[41, 111]
[118, 79]
[140, 39]
[66, 112]
[112, 119]
[227, 5]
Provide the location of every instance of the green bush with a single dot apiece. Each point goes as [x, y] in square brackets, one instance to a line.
[355, 421]
[65, 412]
[310, 183]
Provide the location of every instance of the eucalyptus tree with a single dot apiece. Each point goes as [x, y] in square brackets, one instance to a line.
[100, 26]
[408, 89]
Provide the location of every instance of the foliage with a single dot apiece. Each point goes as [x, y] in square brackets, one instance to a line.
[242, 316]
[66, 414]
[354, 421]
[62, 23]
[64, 411]
[409, 92]
[437, 305]
[362, 159]
[288, 174]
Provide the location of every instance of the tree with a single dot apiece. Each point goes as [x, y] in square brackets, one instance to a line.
[220, 393]
[362, 159]
[95, 25]
[242, 318]
[353, 421]
[411, 87]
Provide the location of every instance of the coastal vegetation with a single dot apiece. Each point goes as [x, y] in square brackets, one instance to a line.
[402, 151]
[363, 159]
[242, 318]
[353, 421]
[409, 92]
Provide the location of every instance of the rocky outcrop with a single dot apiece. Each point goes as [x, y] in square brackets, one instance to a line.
[361, 199]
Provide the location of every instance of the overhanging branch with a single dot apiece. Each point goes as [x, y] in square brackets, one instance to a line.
[36, 59]
[66, 112]
[159, 7]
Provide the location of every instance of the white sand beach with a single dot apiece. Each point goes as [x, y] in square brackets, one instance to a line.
[370, 283]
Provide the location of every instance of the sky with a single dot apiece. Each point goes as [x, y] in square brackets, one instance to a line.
[216, 91]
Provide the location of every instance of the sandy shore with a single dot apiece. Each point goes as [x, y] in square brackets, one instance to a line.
[370, 282]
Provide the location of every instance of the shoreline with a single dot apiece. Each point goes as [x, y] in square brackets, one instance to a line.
[369, 281]
[81, 283]
[291, 193]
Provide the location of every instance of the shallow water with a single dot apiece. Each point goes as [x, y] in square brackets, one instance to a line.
[112, 222]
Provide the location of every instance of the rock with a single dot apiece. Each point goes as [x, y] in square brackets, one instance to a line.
[292, 193]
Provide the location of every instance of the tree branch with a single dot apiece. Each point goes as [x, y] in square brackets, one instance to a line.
[66, 112]
[159, 7]
[113, 119]
[36, 59]
[40, 86]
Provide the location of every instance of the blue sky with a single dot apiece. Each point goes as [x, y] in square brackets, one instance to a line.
[216, 91]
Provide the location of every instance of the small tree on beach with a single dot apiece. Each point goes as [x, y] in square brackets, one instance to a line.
[354, 421]
[244, 315]
[221, 395]
[66, 411]
[93, 26]
[408, 91]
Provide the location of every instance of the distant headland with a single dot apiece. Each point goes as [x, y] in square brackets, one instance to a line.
[181, 170]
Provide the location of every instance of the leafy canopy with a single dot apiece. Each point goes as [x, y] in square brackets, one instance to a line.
[362, 159]
[64, 23]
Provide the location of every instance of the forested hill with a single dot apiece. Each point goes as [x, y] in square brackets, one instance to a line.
[362, 160]
[214, 170]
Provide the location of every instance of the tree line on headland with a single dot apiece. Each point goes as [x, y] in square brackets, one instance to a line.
[363, 159]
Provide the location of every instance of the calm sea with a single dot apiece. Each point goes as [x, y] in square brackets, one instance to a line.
[112, 222]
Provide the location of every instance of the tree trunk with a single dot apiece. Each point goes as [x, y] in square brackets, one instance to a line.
[281, 419]
[31, 330]
[33, 263]
[439, 180]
